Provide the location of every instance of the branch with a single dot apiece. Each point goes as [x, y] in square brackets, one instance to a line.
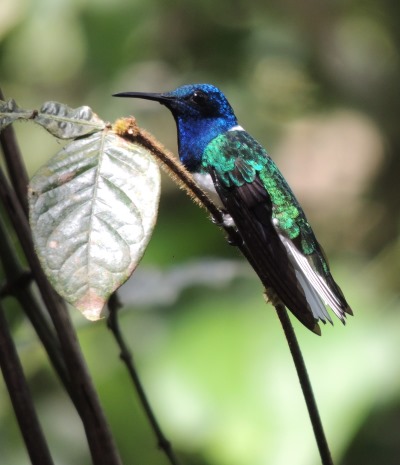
[21, 400]
[305, 383]
[126, 356]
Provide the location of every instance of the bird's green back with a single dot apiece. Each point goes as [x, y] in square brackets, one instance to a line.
[237, 158]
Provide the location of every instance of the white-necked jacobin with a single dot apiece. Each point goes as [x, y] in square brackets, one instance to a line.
[239, 176]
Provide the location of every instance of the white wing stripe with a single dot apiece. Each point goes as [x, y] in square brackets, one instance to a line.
[301, 263]
[313, 299]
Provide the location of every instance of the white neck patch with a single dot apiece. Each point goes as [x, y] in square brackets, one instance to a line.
[236, 128]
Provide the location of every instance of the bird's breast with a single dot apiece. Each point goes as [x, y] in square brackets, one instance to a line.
[206, 183]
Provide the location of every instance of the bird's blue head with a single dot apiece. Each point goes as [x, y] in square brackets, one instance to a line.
[201, 112]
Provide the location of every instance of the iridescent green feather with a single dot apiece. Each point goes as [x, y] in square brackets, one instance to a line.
[237, 158]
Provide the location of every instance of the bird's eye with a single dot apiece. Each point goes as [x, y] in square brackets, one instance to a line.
[199, 97]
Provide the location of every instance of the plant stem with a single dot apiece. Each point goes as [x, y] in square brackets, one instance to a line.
[18, 285]
[126, 356]
[305, 383]
[21, 400]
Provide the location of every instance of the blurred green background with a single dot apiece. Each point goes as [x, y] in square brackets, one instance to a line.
[317, 83]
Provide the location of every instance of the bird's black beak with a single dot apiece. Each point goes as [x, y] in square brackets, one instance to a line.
[161, 98]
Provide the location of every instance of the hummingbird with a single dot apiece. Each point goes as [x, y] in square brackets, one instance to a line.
[241, 179]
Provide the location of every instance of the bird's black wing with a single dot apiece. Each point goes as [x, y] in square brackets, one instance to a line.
[251, 209]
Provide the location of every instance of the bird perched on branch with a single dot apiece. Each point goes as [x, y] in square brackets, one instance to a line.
[240, 177]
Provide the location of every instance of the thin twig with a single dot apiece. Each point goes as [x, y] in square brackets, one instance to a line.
[305, 383]
[21, 399]
[126, 356]
[186, 181]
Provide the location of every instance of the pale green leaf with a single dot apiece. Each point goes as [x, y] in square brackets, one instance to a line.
[92, 211]
[59, 119]
[68, 123]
